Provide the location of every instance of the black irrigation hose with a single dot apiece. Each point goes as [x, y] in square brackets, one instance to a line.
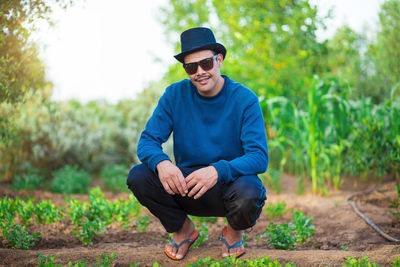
[353, 204]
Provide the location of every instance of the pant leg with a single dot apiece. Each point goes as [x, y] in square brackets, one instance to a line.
[241, 201]
[244, 199]
[147, 188]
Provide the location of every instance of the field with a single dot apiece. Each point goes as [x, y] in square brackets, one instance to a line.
[339, 232]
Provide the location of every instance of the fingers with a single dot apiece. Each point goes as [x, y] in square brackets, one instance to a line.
[167, 188]
[201, 192]
[194, 190]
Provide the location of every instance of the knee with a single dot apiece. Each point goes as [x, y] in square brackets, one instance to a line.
[136, 176]
[249, 200]
[244, 203]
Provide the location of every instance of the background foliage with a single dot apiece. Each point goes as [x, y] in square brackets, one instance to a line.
[331, 107]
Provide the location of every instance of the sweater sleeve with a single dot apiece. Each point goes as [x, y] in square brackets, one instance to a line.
[157, 131]
[254, 144]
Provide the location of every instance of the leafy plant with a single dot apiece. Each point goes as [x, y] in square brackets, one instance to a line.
[45, 261]
[142, 222]
[18, 237]
[26, 211]
[303, 227]
[277, 210]
[361, 262]
[46, 212]
[31, 180]
[203, 234]
[286, 236]
[69, 180]
[114, 177]
[396, 262]
[272, 179]
[281, 236]
[395, 205]
[233, 262]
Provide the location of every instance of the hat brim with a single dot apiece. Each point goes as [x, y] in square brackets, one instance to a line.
[217, 47]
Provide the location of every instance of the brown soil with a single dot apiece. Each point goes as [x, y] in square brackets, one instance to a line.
[336, 226]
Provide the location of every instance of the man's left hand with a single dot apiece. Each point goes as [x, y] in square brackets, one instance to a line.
[201, 180]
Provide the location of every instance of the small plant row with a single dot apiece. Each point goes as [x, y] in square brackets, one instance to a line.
[266, 261]
[88, 218]
[287, 236]
[45, 261]
[71, 180]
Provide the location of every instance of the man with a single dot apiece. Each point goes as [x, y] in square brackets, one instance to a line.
[219, 147]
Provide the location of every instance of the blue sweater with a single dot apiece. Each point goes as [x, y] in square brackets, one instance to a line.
[226, 130]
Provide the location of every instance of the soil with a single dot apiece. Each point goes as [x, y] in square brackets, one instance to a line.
[339, 232]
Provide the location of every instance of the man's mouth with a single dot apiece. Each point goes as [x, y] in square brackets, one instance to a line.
[203, 79]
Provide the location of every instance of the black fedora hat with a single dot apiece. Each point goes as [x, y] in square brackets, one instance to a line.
[196, 39]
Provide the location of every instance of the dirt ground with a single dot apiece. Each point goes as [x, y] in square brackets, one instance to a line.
[337, 226]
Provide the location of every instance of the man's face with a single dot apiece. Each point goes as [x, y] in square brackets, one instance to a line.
[208, 83]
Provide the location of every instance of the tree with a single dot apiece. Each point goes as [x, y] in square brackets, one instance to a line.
[385, 52]
[20, 66]
[272, 46]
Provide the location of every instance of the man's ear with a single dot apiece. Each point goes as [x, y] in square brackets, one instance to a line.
[220, 59]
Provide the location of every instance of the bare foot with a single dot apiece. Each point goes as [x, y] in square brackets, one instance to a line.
[178, 237]
[232, 237]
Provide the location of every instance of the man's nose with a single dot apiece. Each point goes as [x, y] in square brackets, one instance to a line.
[200, 70]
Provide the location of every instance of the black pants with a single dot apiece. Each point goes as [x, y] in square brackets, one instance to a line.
[240, 201]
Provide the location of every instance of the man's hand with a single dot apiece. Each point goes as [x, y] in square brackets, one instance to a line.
[171, 178]
[202, 180]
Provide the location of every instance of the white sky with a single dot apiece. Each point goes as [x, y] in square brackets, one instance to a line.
[106, 49]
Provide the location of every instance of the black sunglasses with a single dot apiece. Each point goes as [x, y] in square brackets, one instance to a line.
[205, 64]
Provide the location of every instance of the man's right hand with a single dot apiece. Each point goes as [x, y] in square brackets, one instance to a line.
[171, 178]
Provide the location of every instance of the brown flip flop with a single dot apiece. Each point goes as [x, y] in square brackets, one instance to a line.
[192, 238]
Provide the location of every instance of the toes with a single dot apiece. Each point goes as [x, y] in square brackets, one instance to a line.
[171, 249]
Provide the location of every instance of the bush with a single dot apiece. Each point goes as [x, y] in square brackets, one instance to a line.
[69, 180]
[114, 177]
[31, 180]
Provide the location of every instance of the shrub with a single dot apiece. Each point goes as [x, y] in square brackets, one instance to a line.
[69, 180]
[277, 210]
[114, 177]
[31, 180]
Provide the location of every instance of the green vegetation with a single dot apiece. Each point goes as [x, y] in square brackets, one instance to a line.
[88, 218]
[395, 205]
[277, 210]
[45, 261]
[231, 262]
[114, 177]
[287, 236]
[362, 262]
[69, 180]
[30, 180]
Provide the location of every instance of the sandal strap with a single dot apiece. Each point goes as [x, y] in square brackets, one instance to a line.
[222, 238]
[177, 246]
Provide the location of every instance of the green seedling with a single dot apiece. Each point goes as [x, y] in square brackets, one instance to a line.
[18, 237]
[142, 223]
[362, 262]
[203, 234]
[275, 211]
